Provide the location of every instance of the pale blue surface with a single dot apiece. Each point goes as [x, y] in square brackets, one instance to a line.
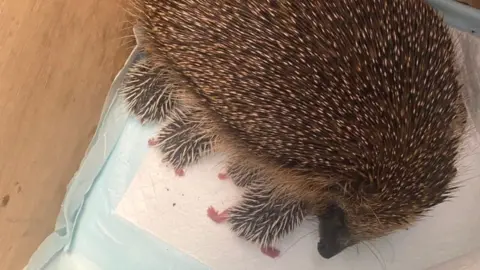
[110, 241]
[458, 15]
[86, 224]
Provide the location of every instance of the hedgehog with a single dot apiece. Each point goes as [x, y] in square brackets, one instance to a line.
[348, 110]
[274, 216]
[183, 142]
[146, 91]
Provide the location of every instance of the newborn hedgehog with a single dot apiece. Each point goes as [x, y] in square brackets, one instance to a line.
[147, 91]
[349, 110]
[262, 217]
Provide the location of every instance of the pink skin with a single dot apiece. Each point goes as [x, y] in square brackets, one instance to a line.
[216, 216]
[221, 217]
[270, 252]
[153, 142]
[179, 172]
[223, 176]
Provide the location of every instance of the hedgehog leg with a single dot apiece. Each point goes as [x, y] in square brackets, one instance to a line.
[223, 175]
[147, 92]
[217, 217]
[183, 142]
[261, 217]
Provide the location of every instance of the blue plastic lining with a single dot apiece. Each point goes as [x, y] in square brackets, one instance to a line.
[458, 15]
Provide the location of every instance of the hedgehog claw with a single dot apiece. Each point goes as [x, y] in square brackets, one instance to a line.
[216, 216]
[270, 252]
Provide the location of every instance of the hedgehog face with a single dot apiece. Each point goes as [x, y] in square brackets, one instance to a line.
[372, 215]
[334, 233]
[343, 226]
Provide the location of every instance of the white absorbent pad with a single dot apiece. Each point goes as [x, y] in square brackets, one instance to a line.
[174, 208]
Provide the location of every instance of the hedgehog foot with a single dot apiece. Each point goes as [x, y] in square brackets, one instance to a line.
[179, 172]
[153, 142]
[223, 175]
[217, 217]
[270, 252]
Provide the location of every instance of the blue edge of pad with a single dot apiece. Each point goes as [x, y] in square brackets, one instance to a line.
[114, 124]
[86, 223]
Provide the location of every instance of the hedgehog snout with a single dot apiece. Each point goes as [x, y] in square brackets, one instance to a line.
[334, 233]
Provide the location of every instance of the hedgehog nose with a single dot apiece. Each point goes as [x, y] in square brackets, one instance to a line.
[328, 251]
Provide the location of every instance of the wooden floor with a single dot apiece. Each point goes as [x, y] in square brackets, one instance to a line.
[57, 60]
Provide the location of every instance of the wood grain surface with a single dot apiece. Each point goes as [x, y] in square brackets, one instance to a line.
[57, 60]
